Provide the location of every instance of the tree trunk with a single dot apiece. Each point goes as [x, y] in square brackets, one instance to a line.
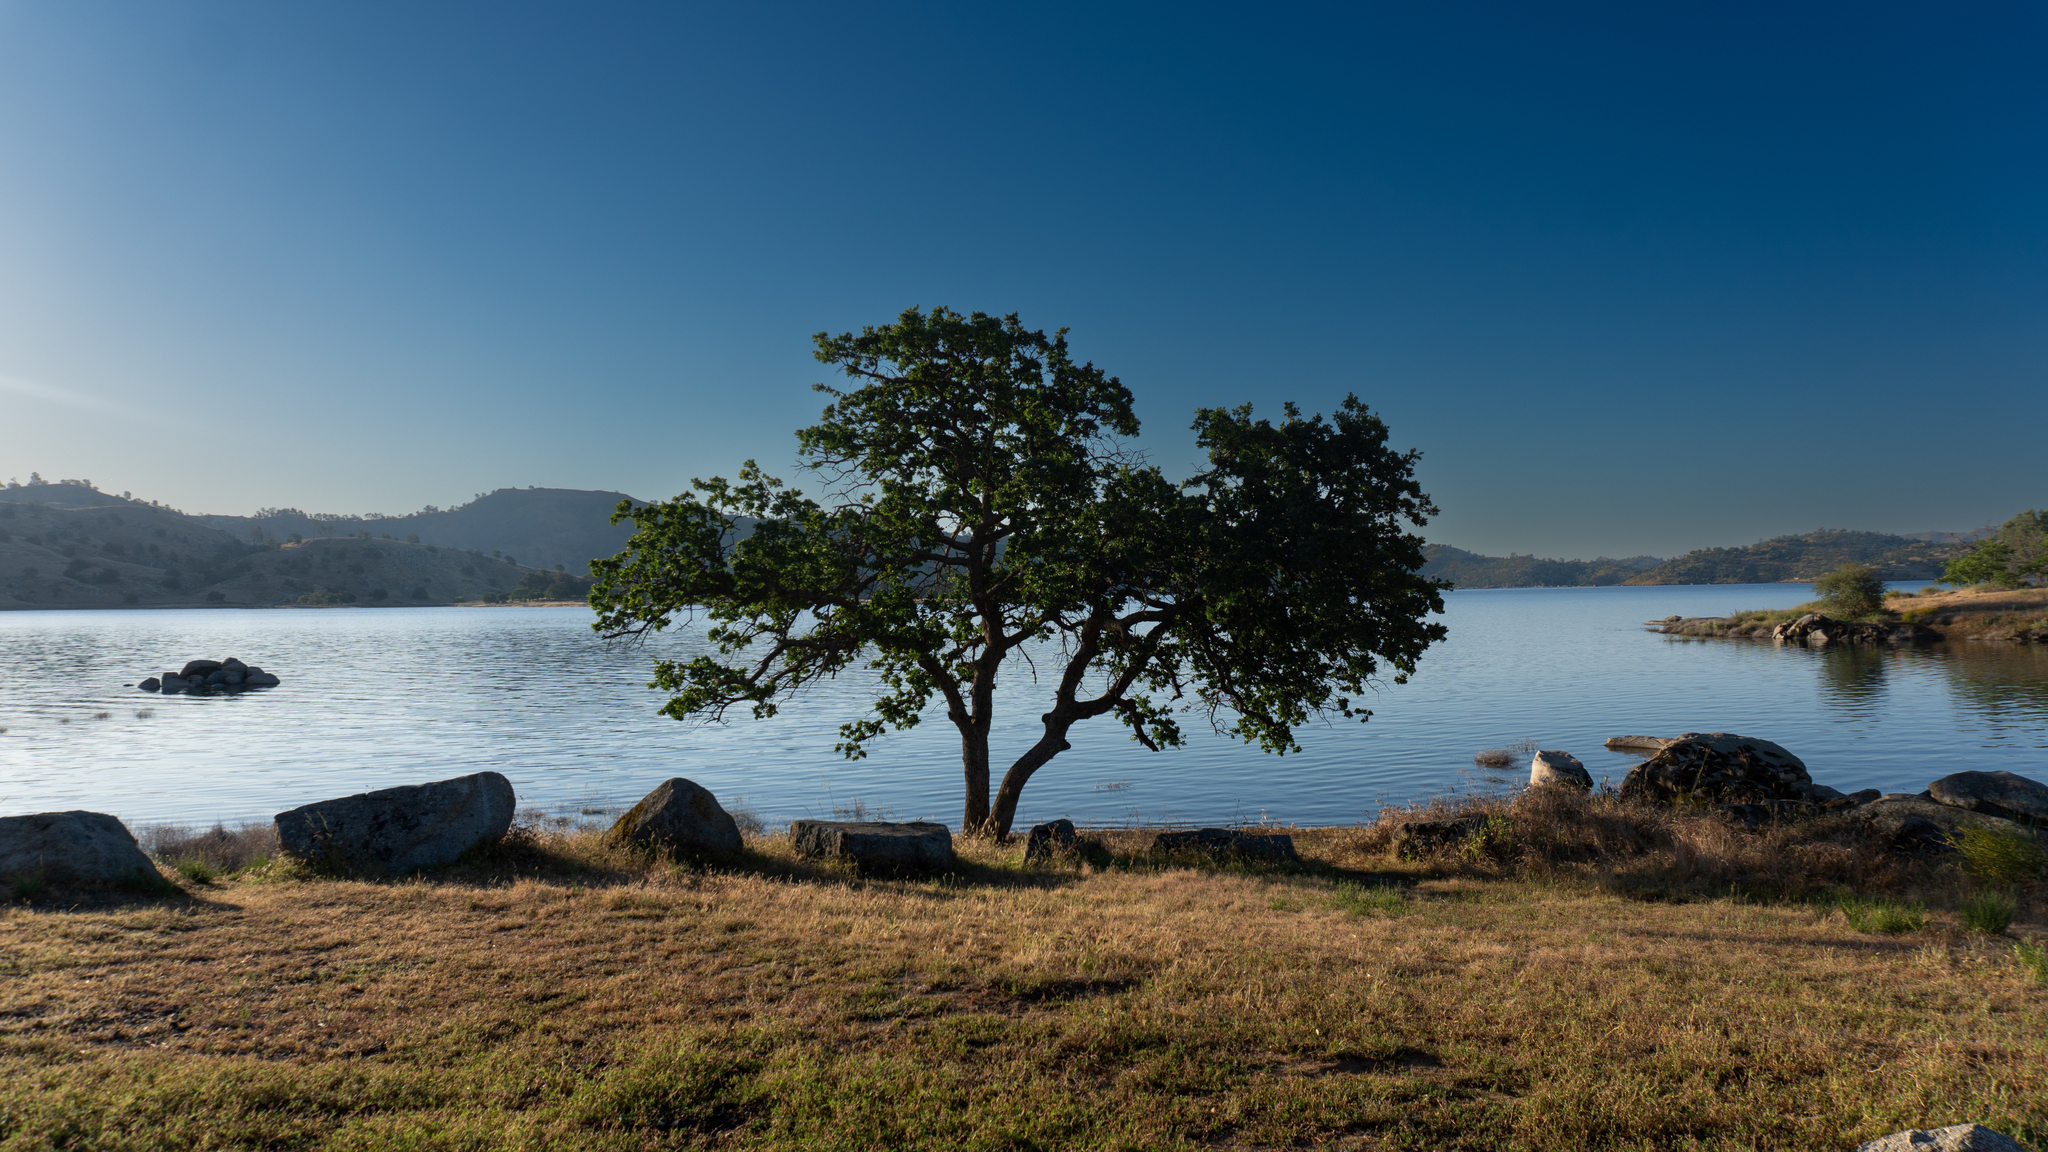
[1049, 745]
[974, 761]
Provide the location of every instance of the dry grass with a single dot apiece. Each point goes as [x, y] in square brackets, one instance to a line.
[1979, 613]
[555, 992]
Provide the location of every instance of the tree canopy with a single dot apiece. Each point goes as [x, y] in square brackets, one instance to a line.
[2016, 556]
[980, 503]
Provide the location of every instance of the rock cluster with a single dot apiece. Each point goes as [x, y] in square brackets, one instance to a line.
[684, 818]
[401, 829]
[210, 678]
[1817, 631]
[1721, 768]
[1220, 843]
[875, 845]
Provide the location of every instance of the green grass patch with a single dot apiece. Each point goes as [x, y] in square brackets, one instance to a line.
[1368, 899]
[2034, 959]
[1880, 914]
[2000, 856]
[1990, 913]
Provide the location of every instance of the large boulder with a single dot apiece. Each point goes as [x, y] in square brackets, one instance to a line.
[2003, 794]
[199, 668]
[1719, 768]
[1955, 1138]
[400, 829]
[875, 845]
[1559, 770]
[683, 817]
[73, 848]
[1220, 843]
[1917, 824]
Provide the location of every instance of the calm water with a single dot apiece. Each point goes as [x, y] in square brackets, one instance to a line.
[377, 697]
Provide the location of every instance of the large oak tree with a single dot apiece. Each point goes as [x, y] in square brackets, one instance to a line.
[980, 505]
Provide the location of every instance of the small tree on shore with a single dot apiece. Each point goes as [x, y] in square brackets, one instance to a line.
[2014, 557]
[1850, 591]
[981, 508]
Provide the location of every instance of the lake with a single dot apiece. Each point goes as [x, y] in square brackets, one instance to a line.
[378, 697]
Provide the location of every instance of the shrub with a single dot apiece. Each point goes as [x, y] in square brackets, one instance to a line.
[1990, 913]
[218, 851]
[1850, 591]
[1999, 856]
[1883, 915]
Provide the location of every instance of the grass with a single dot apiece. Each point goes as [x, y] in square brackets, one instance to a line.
[1603, 977]
[204, 857]
[1878, 914]
[1989, 913]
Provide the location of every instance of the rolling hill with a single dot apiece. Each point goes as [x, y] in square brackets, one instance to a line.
[1804, 557]
[547, 527]
[1472, 570]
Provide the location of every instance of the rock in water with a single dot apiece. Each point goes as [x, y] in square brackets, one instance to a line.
[1719, 768]
[150, 685]
[875, 845]
[1561, 769]
[1222, 842]
[199, 668]
[1645, 743]
[1046, 840]
[683, 817]
[400, 829]
[2002, 794]
[1957, 1138]
[73, 847]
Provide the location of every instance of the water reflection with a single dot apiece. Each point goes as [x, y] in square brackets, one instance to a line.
[2001, 684]
[1853, 678]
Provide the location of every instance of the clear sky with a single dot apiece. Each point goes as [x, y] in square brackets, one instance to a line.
[1634, 278]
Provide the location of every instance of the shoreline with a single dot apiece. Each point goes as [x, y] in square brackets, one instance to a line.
[2018, 616]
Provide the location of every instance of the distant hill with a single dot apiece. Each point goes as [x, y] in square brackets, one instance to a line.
[1804, 557]
[64, 546]
[545, 527]
[1471, 570]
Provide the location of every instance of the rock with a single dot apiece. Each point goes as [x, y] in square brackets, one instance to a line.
[1219, 843]
[261, 680]
[1559, 769]
[1839, 803]
[73, 847]
[233, 665]
[1047, 840]
[172, 684]
[1643, 743]
[1421, 837]
[199, 668]
[228, 676]
[2003, 794]
[1955, 1138]
[684, 818]
[1818, 631]
[150, 685]
[875, 845]
[1916, 824]
[400, 829]
[1719, 768]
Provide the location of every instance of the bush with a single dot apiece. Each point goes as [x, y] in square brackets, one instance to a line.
[2001, 857]
[1850, 591]
[205, 856]
[1990, 913]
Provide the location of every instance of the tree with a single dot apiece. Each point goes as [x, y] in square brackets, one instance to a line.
[1850, 591]
[2016, 556]
[981, 506]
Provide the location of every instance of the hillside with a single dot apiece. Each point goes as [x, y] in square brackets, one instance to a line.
[547, 527]
[1471, 570]
[1804, 557]
[122, 553]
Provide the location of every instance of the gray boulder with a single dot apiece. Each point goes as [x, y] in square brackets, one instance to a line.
[1048, 840]
[1219, 843]
[1641, 743]
[1560, 770]
[150, 685]
[1719, 768]
[73, 847]
[2003, 794]
[875, 845]
[1956, 1138]
[401, 829]
[199, 668]
[172, 684]
[257, 679]
[683, 817]
[1917, 824]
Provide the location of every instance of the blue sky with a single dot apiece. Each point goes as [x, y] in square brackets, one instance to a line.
[1635, 278]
